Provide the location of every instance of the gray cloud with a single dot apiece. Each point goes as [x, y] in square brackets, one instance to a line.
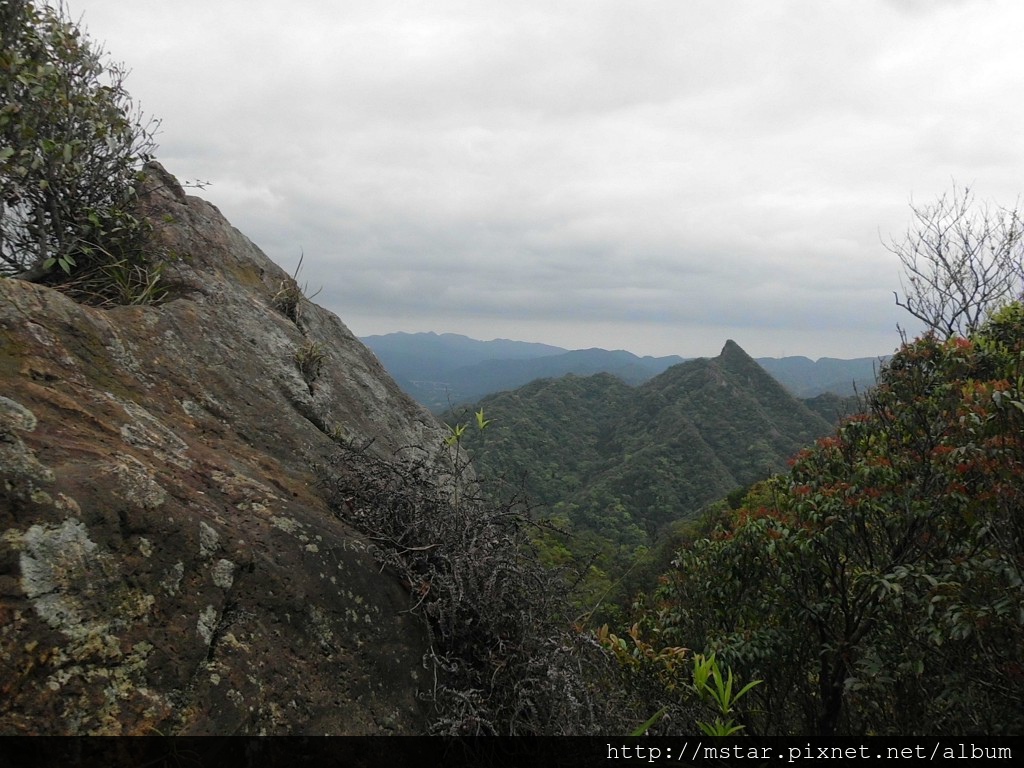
[656, 176]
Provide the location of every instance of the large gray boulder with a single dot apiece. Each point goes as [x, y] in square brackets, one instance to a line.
[168, 563]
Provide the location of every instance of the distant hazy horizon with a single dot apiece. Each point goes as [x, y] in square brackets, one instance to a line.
[713, 353]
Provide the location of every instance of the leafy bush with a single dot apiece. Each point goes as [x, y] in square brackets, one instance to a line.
[877, 588]
[72, 145]
[716, 689]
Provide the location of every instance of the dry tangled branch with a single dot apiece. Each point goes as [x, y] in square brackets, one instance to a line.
[501, 654]
[961, 260]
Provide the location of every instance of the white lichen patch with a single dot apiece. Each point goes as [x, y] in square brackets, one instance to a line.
[74, 586]
[145, 547]
[240, 485]
[145, 431]
[123, 356]
[209, 540]
[54, 561]
[134, 482]
[14, 414]
[171, 583]
[290, 525]
[207, 623]
[321, 625]
[194, 409]
[224, 574]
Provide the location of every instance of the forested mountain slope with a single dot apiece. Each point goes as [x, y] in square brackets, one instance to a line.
[443, 370]
[624, 460]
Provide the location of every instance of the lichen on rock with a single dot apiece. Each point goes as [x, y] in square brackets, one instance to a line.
[161, 521]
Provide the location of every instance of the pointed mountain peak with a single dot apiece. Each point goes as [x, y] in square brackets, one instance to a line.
[733, 351]
[734, 359]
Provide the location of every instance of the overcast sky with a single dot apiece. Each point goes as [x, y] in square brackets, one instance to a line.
[656, 176]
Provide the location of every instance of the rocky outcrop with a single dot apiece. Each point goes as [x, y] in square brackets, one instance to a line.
[168, 563]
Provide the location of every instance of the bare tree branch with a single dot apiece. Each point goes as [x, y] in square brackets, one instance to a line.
[961, 260]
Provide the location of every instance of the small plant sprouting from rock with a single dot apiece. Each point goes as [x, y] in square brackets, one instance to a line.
[118, 282]
[460, 463]
[289, 296]
[310, 360]
[286, 300]
[715, 689]
[339, 433]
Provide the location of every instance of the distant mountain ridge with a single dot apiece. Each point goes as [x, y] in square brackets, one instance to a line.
[440, 370]
[807, 378]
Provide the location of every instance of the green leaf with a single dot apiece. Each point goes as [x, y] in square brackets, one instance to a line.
[718, 728]
[481, 422]
[456, 434]
[745, 689]
[650, 722]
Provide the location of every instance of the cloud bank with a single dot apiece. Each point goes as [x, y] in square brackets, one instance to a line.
[654, 176]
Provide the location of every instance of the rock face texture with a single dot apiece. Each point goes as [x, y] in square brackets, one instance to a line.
[168, 563]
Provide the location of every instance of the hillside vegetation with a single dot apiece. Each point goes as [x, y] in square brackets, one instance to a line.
[878, 586]
[614, 465]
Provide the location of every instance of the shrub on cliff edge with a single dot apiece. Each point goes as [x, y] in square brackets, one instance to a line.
[72, 145]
